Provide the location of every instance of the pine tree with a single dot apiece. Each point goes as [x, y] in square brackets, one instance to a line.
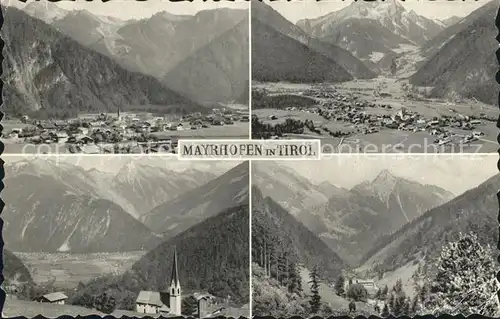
[385, 292]
[315, 301]
[393, 67]
[398, 305]
[294, 279]
[398, 287]
[385, 311]
[339, 286]
[465, 282]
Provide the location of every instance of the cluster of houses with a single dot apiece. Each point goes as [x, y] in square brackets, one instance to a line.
[369, 284]
[335, 106]
[103, 133]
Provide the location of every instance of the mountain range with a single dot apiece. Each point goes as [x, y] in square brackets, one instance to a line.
[370, 30]
[184, 52]
[350, 220]
[453, 58]
[287, 188]
[283, 52]
[98, 211]
[421, 240]
[51, 75]
[226, 191]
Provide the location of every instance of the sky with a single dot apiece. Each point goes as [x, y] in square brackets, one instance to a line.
[131, 9]
[112, 164]
[455, 173]
[439, 9]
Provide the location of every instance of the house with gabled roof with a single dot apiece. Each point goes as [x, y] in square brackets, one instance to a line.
[54, 297]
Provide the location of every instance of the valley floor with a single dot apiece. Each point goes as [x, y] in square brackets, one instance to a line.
[67, 270]
[362, 138]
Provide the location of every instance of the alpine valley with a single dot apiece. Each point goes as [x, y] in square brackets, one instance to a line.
[79, 226]
[343, 76]
[382, 245]
[122, 62]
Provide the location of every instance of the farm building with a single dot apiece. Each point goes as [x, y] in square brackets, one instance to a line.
[54, 297]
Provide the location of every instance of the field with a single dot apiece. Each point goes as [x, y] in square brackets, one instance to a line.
[29, 309]
[69, 269]
[386, 140]
[238, 130]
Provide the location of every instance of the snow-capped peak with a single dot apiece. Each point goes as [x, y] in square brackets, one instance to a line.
[45, 11]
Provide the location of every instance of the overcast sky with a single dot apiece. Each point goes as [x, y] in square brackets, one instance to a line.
[112, 164]
[302, 9]
[131, 9]
[455, 173]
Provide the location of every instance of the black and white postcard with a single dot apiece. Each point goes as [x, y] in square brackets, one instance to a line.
[375, 235]
[121, 236]
[380, 76]
[123, 76]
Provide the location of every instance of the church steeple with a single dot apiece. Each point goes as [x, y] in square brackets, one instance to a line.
[174, 281]
[175, 289]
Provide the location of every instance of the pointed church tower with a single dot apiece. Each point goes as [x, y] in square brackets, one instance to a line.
[175, 289]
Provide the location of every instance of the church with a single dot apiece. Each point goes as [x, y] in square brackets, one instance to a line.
[165, 303]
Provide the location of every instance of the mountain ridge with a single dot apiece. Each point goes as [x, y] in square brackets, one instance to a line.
[49, 71]
[351, 220]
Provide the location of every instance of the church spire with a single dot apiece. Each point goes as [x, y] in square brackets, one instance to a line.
[175, 275]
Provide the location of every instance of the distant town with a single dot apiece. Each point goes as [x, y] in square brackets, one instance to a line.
[124, 132]
[327, 112]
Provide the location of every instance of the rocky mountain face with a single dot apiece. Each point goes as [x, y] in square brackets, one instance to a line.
[127, 188]
[142, 188]
[370, 30]
[271, 18]
[290, 190]
[45, 11]
[79, 210]
[422, 239]
[196, 205]
[273, 225]
[51, 75]
[42, 215]
[184, 52]
[463, 61]
[353, 219]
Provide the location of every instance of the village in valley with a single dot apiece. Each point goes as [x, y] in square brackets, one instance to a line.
[108, 250]
[407, 93]
[168, 303]
[344, 115]
[122, 132]
[117, 92]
